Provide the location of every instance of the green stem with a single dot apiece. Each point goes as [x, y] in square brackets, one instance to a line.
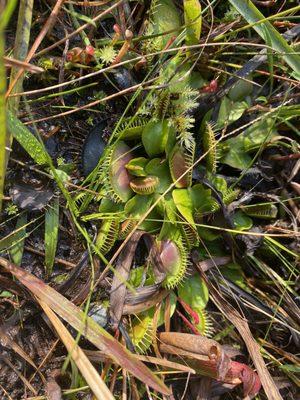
[20, 49]
[2, 117]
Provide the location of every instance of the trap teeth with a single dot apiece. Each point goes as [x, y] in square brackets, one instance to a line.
[180, 161]
[144, 186]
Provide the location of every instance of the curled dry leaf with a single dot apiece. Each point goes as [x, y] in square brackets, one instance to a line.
[118, 287]
[208, 357]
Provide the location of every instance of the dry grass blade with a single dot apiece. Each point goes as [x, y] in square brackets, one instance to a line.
[89, 328]
[243, 328]
[98, 356]
[89, 373]
[13, 63]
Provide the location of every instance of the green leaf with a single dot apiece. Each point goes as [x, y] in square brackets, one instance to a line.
[83, 17]
[234, 153]
[202, 199]
[6, 13]
[242, 222]
[161, 315]
[165, 17]
[136, 166]
[194, 292]
[290, 368]
[160, 169]
[137, 207]
[16, 251]
[257, 134]
[193, 20]
[252, 15]
[62, 175]
[241, 90]
[230, 111]
[184, 204]
[51, 234]
[234, 150]
[234, 272]
[27, 140]
[155, 137]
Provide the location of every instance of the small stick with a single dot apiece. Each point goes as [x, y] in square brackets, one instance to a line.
[124, 49]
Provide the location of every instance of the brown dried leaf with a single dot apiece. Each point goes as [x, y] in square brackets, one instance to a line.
[121, 275]
[194, 345]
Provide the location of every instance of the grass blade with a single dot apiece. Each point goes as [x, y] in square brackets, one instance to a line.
[252, 15]
[16, 252]
[89, 373]
[26, 139]
[51, 234]
[89, 328]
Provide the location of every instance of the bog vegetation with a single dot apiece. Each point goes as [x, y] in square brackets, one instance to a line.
[149, 187]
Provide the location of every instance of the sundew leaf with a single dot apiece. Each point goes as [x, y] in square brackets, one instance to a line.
[26, 139]
[87, 326]
[16, 251]
[252, 15]
[51, 234]
[193, 20]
